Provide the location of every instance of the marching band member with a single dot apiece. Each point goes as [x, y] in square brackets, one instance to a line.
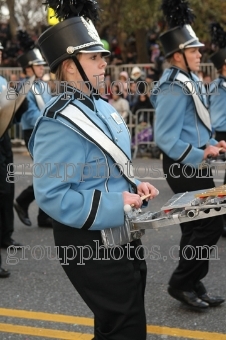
[183, 133]
[80, 135]
[33, 65]
[217, 100]
[6, 189]
[3, 185]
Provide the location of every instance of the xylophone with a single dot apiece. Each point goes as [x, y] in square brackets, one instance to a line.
[183, 207]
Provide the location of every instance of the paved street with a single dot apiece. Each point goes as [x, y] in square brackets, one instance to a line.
[38, 291]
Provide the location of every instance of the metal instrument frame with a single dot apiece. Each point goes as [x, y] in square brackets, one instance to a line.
[181, 208]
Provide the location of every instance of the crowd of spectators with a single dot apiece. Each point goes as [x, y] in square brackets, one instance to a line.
[127, 99]
[11, 46]
[118, 57]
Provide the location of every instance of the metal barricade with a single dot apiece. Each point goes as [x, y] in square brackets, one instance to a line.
[128, 68]
[130, 122]
[114, 72]
[143, 131]
[6, 72]
[16, 132]
[209, 69]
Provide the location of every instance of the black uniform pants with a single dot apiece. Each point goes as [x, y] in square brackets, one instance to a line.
[193, 265]
[221, 135]
[6, 190]
[111, 282]
[27, 196]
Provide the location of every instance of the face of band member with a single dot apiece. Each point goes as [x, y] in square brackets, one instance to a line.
[193, 57]
[38, 70]
[94, 66]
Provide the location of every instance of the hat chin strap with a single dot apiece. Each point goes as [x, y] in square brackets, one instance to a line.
[33, 70]
[84, 76]
[186, 62]
[32, 67]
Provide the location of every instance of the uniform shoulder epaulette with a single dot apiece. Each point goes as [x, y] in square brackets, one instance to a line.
[172, 76]
[58, 105]
[222, 83]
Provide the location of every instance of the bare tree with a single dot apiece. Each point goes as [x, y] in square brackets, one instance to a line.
[129, 17]
[27, 14]
[31, 15]
[120, 18]
[13, 23]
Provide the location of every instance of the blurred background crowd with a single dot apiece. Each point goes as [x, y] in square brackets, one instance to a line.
[131, 33]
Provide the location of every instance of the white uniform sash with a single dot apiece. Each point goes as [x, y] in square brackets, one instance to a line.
[94, 133]
[38, 97]
[200, 107]
[111, 237]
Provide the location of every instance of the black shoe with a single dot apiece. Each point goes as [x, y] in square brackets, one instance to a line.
[47, 223]
[4, 273]
[11, 242]
[224, 231]
[213, 301]
[190, 298]
[22, 214]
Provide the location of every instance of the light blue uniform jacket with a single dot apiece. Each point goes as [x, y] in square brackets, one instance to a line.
[3, 84]
[217, 102]
[33, 112]
[91, 195]
[178, 130]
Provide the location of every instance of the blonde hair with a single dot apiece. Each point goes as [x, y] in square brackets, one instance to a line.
[60, 72]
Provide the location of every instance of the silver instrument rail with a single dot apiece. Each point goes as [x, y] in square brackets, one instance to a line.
[179, 209]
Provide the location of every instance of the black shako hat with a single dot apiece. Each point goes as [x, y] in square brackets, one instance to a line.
[218, 35]
[30, 58]
[31, 55]
[75, 34]
[180, 35]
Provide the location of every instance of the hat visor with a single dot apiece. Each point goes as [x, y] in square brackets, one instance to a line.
[37, 62]
[96, 49]
[195, 43]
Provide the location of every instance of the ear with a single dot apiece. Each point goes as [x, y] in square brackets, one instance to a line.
[69, 66]
[177, 56]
